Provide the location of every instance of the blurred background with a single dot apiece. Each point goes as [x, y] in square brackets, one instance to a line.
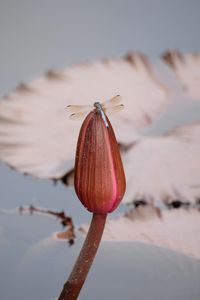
[39, 35]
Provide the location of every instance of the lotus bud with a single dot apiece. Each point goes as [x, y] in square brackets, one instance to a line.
[99, 175]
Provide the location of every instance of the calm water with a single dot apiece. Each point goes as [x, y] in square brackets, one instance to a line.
[35, 266]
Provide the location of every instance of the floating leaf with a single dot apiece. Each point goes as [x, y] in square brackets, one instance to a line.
[38, 138]
[36, 135]
[177, 230]
[187, 69]
[165, 168]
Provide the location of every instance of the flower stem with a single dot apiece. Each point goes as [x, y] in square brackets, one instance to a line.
[84, 261]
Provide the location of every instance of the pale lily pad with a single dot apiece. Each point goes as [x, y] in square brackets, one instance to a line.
[177, 230]
[187, 69]
[36, 135]
[165, 168]
[38, 138]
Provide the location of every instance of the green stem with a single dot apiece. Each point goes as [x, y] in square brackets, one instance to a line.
[84, 261]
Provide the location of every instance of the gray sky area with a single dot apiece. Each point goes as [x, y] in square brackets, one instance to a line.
[38, 35]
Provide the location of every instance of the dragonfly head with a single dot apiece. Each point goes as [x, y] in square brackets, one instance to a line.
[97, 105]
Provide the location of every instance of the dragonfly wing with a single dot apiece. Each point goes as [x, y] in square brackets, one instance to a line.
[78, 108]
[78, 116]
[112, 102]
[112, 110]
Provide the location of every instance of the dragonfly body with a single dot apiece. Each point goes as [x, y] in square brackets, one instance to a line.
[99, 108]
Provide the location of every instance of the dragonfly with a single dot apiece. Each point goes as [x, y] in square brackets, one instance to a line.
[108, 107]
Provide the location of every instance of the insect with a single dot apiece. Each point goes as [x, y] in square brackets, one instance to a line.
[108, 107]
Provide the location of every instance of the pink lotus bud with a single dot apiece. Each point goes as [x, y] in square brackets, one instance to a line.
[99, 175]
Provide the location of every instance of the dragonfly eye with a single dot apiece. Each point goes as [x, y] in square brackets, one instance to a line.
[97, 104]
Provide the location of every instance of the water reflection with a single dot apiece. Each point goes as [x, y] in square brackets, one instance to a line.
[35, 266]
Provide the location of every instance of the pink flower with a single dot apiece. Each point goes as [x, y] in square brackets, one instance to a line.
[99, 175]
